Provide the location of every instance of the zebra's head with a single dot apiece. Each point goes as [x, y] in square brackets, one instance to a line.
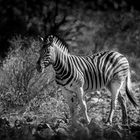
[46, 53]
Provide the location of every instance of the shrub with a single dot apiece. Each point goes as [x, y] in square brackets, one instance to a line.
[17, 71]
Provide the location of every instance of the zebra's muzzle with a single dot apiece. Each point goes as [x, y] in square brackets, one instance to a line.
[38, 67]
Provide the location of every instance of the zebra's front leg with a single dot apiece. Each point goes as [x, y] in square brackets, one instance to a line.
[82, 102]
[72, 102]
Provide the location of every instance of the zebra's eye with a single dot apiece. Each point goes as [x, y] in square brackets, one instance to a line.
[50, 39]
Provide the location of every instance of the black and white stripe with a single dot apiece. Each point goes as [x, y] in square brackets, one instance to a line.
[87, 73]
[97, 70]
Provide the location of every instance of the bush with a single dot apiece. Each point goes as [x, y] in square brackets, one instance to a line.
[17, 71]
[27, 94]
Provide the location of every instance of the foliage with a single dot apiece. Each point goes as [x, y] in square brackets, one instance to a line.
[33, 17]
[28, 95]
[25, 129]
[17, 71]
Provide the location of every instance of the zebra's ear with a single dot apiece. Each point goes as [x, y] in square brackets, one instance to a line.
[41, 39]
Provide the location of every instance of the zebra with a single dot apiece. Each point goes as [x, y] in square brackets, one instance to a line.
[78, 75]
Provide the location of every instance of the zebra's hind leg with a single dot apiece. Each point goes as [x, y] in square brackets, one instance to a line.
[114, 87]
[82, 102]
[122, 103]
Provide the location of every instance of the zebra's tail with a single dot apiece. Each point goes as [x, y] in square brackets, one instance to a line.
[129, 92]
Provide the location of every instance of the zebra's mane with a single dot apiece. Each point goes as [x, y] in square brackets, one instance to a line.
[60, 43]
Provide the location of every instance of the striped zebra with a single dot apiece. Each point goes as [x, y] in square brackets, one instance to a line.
[78, 75]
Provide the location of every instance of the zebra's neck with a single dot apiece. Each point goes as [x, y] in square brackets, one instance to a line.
[63, 68]
[60, 59]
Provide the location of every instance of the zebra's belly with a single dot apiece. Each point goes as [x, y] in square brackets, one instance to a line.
[93, 89]
[93, 85]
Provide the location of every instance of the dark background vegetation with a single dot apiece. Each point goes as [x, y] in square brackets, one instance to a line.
[29, 101]
[32, 17]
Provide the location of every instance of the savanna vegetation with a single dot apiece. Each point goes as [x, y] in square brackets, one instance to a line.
[32, 106]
